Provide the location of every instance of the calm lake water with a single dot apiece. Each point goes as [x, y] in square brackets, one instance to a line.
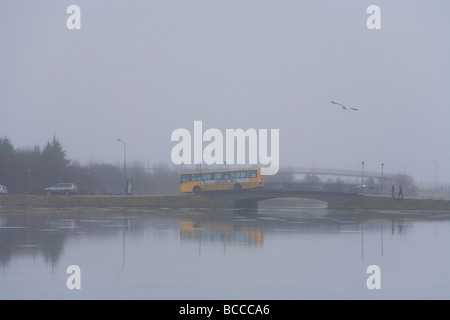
[270, 253]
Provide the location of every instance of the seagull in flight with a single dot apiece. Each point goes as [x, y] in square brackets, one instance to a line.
[344, 107]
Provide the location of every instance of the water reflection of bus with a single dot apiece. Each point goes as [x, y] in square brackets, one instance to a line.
[221, 180]
[2, 221]
[221, 232]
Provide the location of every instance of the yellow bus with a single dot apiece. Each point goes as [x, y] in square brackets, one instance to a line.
[221, 180]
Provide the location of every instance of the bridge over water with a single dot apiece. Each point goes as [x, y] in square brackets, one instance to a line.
[332, 194]
[339, 173]
[310, 171]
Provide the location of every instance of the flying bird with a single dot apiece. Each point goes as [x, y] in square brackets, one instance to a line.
[344, 107]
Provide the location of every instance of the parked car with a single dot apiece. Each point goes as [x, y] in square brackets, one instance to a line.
[3, 189]
[62, 188]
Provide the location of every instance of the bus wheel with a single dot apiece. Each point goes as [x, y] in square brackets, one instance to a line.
[237, 187]
[197, 189]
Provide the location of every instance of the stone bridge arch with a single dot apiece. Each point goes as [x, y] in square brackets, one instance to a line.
[250, 198]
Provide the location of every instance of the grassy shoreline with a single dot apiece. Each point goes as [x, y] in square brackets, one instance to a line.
[201, 201]
[387, 203]
[157, 201]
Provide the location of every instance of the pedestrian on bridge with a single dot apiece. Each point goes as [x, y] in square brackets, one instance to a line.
[400, 192]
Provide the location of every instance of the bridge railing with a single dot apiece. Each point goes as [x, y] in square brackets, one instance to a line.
[323, 187]
[339, 172]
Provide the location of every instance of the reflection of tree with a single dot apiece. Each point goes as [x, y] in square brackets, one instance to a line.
[52, 246]
[32, 238]
[46, 236]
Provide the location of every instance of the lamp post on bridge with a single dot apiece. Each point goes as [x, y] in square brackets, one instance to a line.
[124, 160]
[28, 180]
[362, 175]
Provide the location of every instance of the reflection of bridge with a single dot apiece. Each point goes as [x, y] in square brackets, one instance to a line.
[329, 193]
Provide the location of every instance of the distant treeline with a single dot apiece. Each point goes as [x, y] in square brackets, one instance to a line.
[31, 170]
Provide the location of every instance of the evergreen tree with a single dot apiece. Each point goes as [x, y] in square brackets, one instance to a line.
[6, 161]
[54, 162]
[27, 170]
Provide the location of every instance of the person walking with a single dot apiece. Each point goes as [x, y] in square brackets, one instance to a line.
[393, 191]
[400, 192]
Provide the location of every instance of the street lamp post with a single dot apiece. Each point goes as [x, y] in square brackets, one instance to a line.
[382, 165]
[436, 174]
[362, 175]
[88, 173]
[28, 180]
[124, 159]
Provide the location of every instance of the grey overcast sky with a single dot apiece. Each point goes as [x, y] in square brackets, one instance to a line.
[137, 70]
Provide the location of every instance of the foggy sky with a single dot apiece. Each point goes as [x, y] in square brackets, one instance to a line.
[138, 70]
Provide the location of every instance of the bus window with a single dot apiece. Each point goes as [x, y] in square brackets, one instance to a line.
[185, 178]
[253, 174]
[244, 174]
[206, 176]
[218, 176]
[196, 177]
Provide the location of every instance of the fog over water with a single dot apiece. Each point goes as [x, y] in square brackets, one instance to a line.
[139, 71]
